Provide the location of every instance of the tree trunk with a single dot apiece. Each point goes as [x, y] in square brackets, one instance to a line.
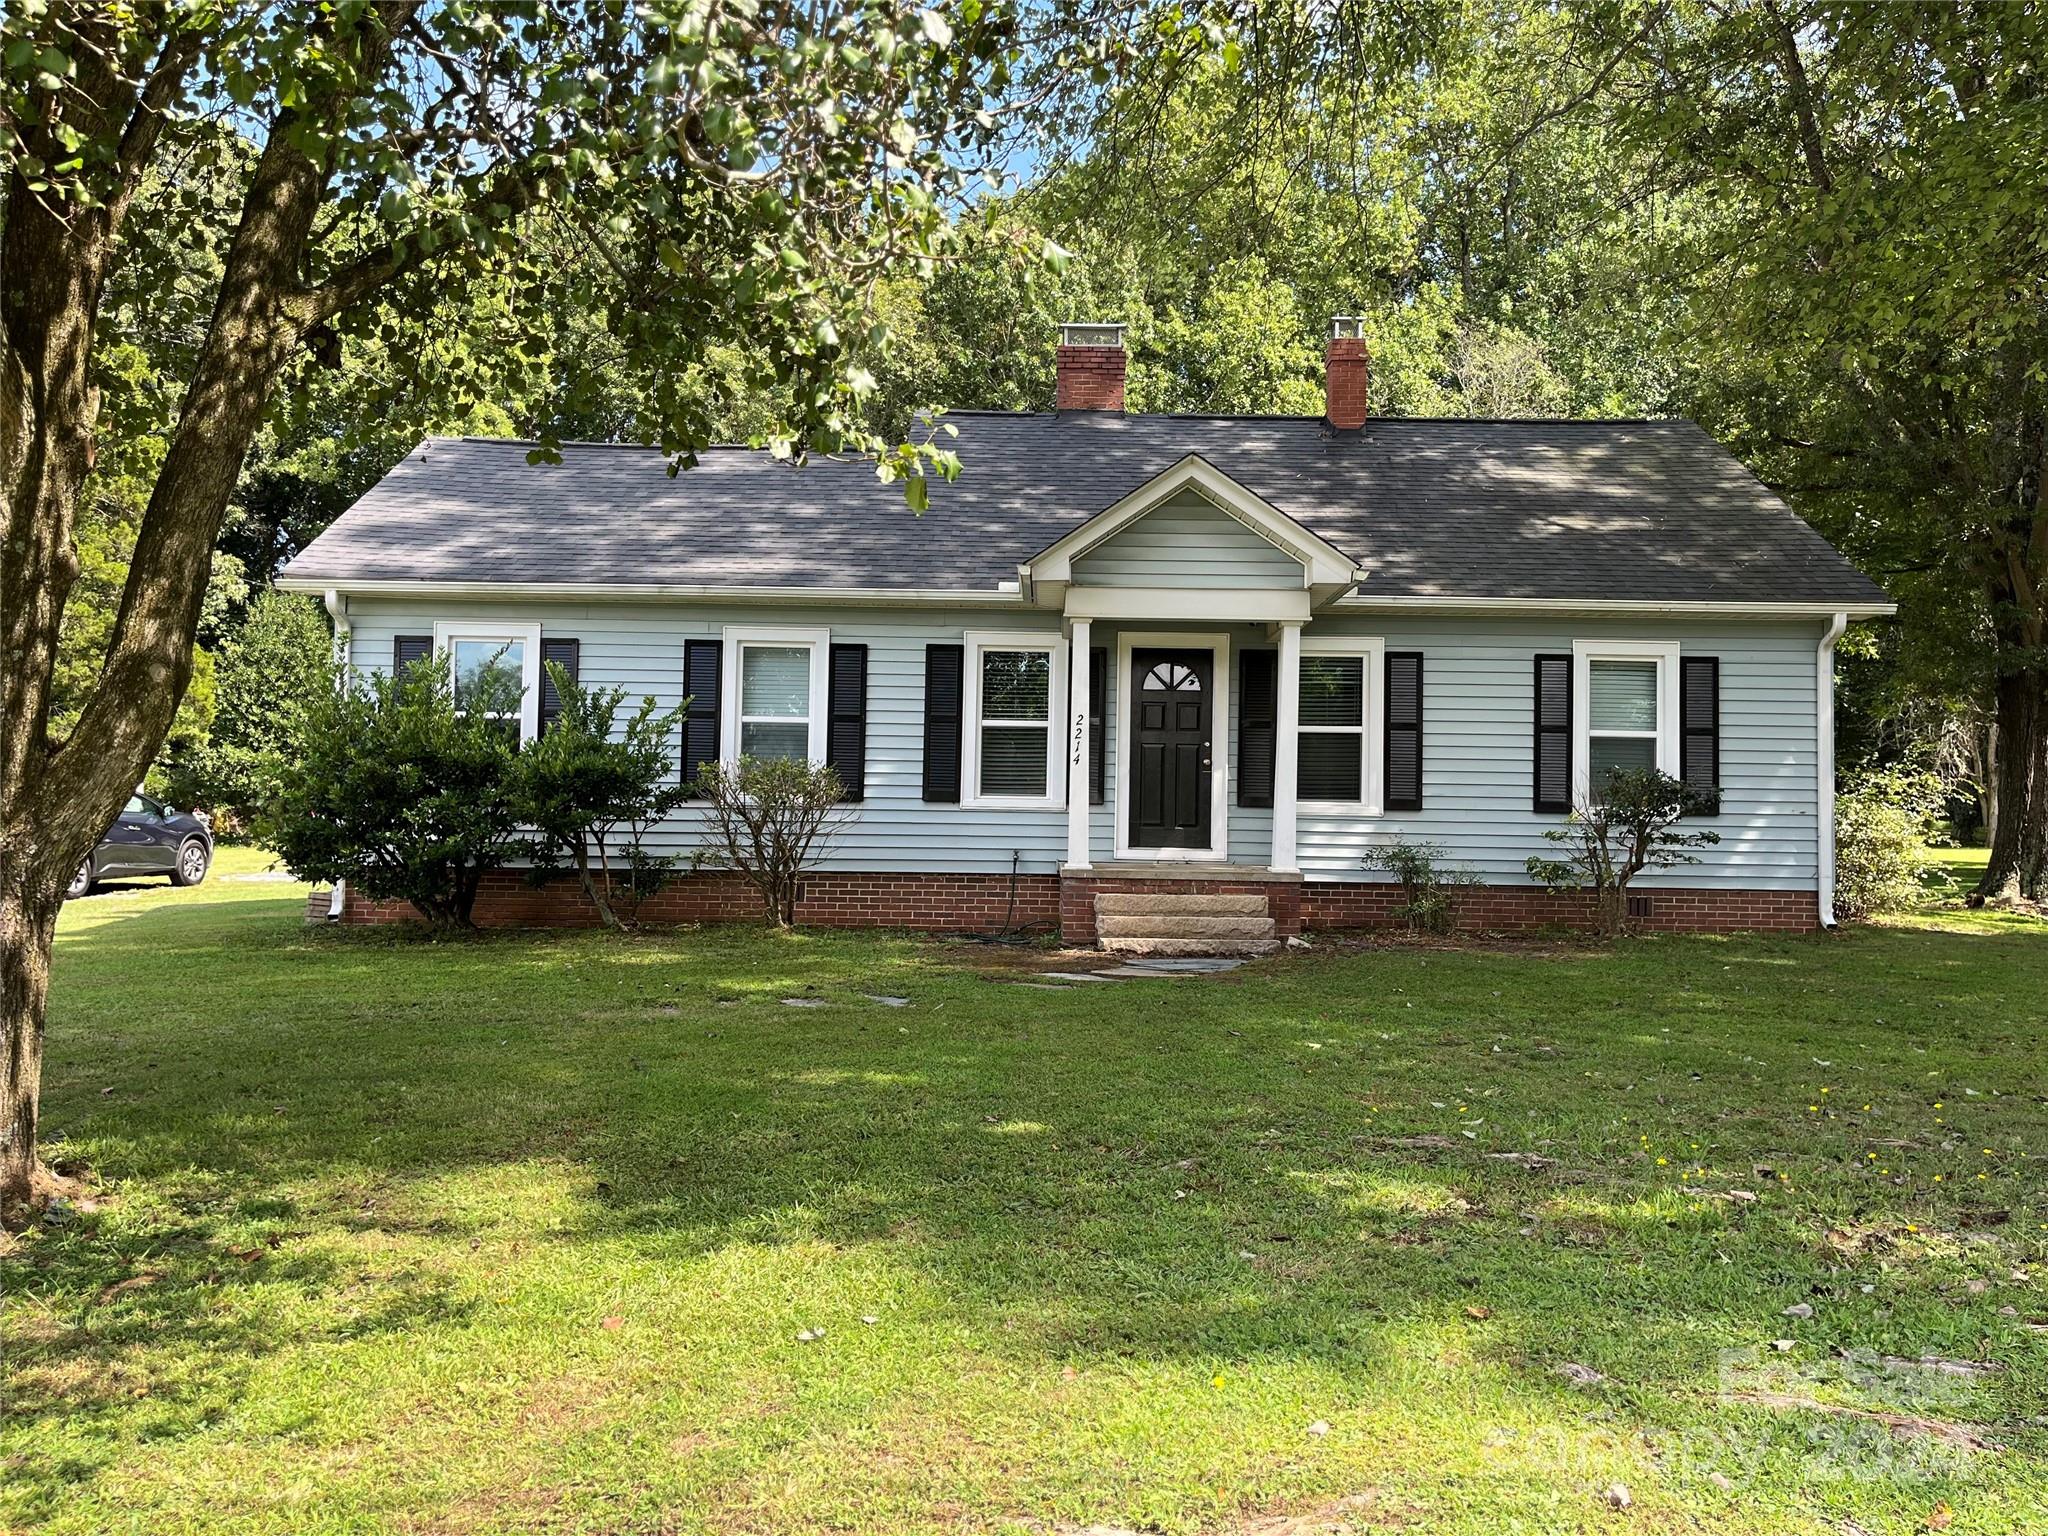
[1610, 912]
[596, 888]
[2018, 868]
[28, 922]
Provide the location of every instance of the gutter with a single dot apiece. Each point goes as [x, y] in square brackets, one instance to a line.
[1824, 766]
[344, 633]
[1730, 610]
[1018, 595]
[881, 597]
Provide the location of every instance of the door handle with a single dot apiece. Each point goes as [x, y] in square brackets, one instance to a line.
[1206, 764]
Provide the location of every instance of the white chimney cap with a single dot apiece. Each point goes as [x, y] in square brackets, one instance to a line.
[1347, 327]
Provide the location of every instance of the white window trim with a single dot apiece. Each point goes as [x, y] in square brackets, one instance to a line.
[447, 631]
[1372, 650]
[1584, 653]
[1055, 648]
[740, 636]
[1220, 738]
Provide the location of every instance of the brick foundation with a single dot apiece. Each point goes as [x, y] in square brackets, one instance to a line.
[1529, 909]
[980, 903]
[958, 903]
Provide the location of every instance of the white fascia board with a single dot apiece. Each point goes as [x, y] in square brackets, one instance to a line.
[1731, 610]
[1221, 605]
[1322, 562]
[622, 591]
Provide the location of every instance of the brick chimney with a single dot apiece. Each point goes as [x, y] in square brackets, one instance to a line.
[1090, 368]
[1348, 365]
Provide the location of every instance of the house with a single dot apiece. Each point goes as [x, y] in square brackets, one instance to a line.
[1216, 660]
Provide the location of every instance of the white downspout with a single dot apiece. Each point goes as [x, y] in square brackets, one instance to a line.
[344, 656]
[1824, 767]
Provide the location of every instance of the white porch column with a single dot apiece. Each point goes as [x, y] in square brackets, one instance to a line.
[1078, 746]
[1285, 857]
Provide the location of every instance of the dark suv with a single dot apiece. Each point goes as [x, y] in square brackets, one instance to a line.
[149, 838]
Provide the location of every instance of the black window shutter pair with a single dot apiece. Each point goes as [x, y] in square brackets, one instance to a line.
[566, 654]
[1699, 714]
[846, 711]
[945, 693]
[1258, 728]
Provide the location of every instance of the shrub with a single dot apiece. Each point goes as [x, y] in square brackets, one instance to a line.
[1429, 892]
[1882, 823]
[1632, 827]
[768, 819]
[400, 792]
[589, 790]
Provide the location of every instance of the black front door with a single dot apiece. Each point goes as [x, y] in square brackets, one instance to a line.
[1170, 717]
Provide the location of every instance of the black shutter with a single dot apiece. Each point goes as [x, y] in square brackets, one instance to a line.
[407, 649]
[945, 668]
[1258, 725]
[1404, 730]
[1098, 721]
[846, 722]
[1553, 712]
[1699, 716]
[702, 660]
[566, 654]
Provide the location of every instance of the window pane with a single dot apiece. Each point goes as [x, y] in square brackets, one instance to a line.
[1013, 760]
[769, 740]
[1016, 685]
[1624, 695]
[1333, 692]
[1329, 764]
[489, 674]
[1605, 754]
[775, 680]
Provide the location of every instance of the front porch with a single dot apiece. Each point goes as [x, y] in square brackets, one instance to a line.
[1183, 607]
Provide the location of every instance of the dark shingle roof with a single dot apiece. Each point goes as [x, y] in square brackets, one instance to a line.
[1640, 510]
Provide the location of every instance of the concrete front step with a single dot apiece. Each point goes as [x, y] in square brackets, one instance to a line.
[1139, 946]
[1159, 903]
[1181, 925]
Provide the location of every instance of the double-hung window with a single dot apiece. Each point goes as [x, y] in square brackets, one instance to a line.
[1340, 724]
[495, 669]
[1629, 720]
[775, 693]
[1016, 703]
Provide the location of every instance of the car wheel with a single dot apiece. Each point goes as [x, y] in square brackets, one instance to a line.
[192, 861]
[80, 882]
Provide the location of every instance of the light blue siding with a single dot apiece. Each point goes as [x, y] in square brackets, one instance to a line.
[1476, 760]
[1188, 542]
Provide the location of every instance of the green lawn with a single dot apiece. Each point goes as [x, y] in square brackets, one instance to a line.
[575, 1234]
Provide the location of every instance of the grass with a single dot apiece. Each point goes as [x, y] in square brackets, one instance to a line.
[528, 1234]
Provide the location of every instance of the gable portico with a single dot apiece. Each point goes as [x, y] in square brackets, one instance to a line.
[1160, 585]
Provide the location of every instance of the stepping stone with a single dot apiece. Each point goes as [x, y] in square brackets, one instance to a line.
[886, 1000]
[1042, 986]
[1073, 976]
[805, 1002]
[1193, 965]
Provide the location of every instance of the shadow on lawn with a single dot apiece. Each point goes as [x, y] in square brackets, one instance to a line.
[1170, 1171]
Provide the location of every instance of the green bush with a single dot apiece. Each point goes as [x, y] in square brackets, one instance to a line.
[400, 792]
[1429, 892]
[589, 789]
[1883, 820]
[1631, 827]
[767, 820]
